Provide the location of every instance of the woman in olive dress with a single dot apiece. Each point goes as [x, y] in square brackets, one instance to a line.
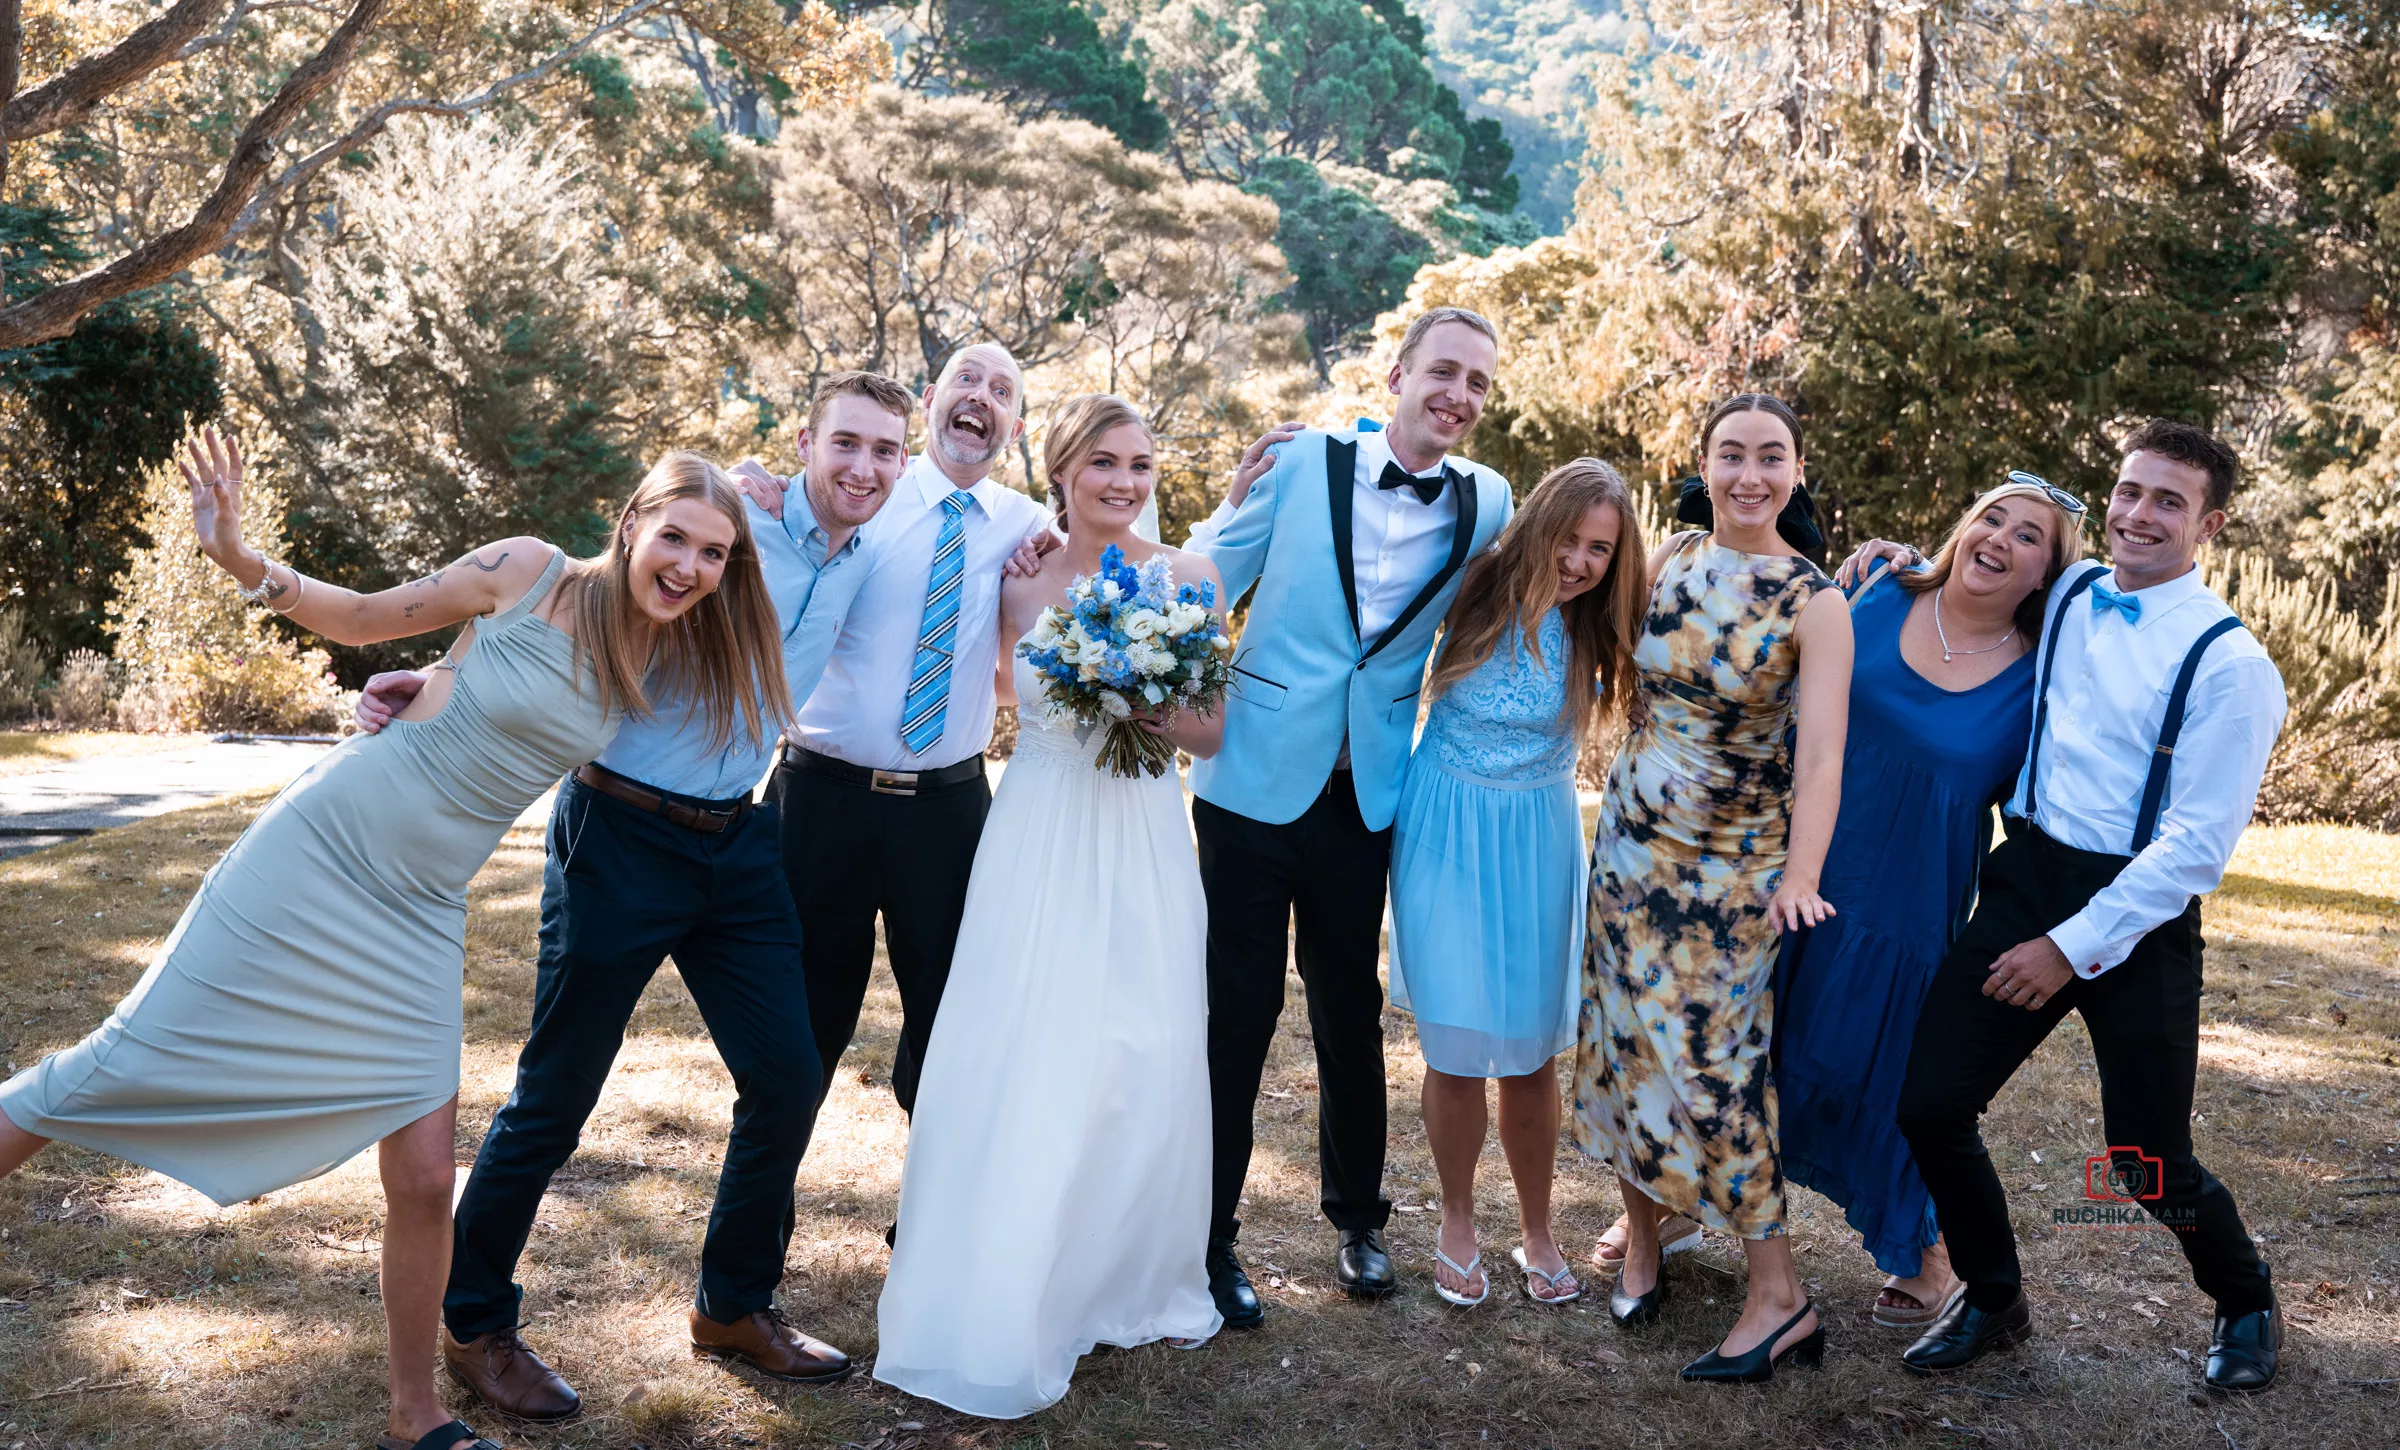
[308, 1003]
[1713, 831]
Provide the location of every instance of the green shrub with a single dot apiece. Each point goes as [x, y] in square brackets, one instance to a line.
[21, 667]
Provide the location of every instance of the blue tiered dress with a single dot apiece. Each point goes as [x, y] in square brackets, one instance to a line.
[1922, 768]
[1487, 867]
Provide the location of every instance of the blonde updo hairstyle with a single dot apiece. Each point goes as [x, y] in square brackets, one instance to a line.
[1076, 428]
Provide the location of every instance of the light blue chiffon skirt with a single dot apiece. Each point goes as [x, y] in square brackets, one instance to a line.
[1487, 918]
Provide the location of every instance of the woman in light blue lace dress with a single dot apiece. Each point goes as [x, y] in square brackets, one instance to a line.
[1487, 853]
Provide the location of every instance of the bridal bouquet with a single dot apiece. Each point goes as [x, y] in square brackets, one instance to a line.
[1129, 640]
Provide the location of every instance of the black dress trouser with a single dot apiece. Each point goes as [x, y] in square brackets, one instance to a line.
[2144, 1019]
[622, 890]
[1322, 874]
[851, 852]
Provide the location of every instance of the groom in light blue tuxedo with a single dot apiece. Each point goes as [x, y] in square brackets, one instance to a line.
[1354, 542]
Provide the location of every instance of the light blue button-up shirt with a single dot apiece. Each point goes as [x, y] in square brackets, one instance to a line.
[670, 751]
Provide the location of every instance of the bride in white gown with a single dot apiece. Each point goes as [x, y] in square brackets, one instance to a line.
[1056, 1192]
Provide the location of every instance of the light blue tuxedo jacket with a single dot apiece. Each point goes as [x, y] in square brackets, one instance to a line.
[1302, 674]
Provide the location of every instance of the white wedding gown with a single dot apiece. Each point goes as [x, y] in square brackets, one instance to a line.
[1056, 1191]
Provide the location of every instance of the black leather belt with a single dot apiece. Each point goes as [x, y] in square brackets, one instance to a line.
[882, 782]
[709, 820]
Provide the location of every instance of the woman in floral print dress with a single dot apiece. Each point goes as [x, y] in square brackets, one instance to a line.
[1712, 834]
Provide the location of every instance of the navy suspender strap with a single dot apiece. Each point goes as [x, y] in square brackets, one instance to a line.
[2041, 707]
[2154, 794]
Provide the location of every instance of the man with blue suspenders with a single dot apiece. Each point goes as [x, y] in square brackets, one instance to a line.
[2154, 712]
[1354, 541]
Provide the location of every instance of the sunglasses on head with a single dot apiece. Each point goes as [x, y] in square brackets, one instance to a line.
[2056, 495]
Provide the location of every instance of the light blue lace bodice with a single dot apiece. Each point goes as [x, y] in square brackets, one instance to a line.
[1502, 722]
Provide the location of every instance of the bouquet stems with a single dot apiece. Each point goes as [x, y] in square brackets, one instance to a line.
[1130, 751]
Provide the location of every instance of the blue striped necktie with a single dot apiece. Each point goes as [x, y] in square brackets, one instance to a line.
[927, 708]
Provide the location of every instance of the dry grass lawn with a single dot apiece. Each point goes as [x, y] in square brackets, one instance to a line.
[134, 1314]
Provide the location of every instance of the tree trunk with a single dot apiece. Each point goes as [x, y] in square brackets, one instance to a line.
[12, 49]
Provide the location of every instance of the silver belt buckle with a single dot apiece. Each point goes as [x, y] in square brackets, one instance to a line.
[893, 782]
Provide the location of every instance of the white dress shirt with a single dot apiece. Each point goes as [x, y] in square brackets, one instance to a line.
[2108, 698]
[1397, 540]
[854, 715]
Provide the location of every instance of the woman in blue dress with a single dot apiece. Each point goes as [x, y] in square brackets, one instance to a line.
[1487, 854]
[1941, 701]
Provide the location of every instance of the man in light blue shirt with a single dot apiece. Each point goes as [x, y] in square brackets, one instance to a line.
[657, 849]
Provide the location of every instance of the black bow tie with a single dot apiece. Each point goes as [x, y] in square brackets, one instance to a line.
[1426, 489]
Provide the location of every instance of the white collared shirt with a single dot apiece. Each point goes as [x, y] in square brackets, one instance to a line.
[854, 714]
[1397, 540]
[2108, 698]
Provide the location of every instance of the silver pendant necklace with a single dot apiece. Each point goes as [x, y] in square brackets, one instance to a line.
[1944, 635]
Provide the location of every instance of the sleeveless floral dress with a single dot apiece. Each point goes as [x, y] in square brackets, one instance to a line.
[1671, 1070]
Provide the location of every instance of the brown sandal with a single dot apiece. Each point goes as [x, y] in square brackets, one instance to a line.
[1612, 1262]
[1896, 1308]
[453, 1436]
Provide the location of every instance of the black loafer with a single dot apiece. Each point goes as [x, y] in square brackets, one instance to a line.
[2243, 1350]
[1964, 1335]
[1362, 1267]
[1237, 1301]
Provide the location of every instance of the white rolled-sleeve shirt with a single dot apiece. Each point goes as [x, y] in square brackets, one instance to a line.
[1397, 540]
[854, 714]
[2107, 701]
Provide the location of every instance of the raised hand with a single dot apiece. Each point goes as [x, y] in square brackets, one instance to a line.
[212, 465]
[385, 696]
[765, 488]
[1257, 459]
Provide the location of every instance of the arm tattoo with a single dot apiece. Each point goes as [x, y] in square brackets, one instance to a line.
[433, 578]
[275, 590]
[410, 611]
[493, 566]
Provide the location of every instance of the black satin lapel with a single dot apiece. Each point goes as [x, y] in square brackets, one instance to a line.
[1462, 539]
[1341, 476]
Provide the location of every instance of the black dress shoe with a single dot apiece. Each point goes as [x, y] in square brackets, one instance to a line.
[1237, 1301]
[1964, 1335]
[2243, 1350]
[1362, 1267]
[1757, 1364]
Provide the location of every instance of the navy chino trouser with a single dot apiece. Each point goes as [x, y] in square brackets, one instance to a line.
[622, 890]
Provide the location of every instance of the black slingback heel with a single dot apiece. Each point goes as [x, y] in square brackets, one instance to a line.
[1757, 1365]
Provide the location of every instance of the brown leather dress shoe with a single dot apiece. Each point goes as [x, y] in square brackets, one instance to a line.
[768, 1343]
[507, 1375]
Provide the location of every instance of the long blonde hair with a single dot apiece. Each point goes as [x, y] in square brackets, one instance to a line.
[1076, 428]
[2066, 546]
[724, 654]
[1516, 582]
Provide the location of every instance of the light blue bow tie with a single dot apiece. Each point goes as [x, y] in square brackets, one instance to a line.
[2123, 602]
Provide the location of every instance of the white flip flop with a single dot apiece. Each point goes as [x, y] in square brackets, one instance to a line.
[1557, 1282]
[1466, 1271]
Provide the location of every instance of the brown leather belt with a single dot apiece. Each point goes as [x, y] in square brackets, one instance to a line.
[882, 782]
[708, 821]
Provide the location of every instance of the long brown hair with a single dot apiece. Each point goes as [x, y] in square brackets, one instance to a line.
[1516, 582]
[2066, 546]
[1076, 428]
[725, 653]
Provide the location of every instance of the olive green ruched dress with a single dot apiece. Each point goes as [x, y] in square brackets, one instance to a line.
[309, 1001]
